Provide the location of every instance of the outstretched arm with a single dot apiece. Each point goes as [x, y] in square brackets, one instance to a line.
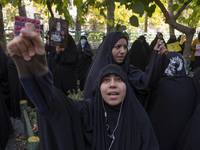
[28, 53]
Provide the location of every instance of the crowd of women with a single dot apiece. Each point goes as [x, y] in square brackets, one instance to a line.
[137, 99]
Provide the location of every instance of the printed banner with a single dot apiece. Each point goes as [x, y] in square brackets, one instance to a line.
[58, 32]
[197, 50]
[174, 47]
[20, 23]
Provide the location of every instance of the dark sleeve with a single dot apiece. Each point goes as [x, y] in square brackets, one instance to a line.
[143, 81]
[40, 90]
[88, 50]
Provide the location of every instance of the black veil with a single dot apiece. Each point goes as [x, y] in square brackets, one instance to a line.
[103, 58]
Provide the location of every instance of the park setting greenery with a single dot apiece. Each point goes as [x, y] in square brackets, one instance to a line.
[115, 15]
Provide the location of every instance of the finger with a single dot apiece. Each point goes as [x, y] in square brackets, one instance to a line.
[163, 50]
[29, 46]
[30, 33]
[157, 45]
[22, 47]
[13, 49]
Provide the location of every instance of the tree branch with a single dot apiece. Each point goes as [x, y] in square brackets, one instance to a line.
[163, 9]
[49, 8]
[181, 9]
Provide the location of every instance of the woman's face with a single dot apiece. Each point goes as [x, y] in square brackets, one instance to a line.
[119, 50]
[113, 89]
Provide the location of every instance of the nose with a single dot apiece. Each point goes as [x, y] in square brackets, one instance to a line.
[123, 50]
[112, 83]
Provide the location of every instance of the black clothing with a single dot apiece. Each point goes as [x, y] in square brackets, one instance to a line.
[81, 125]
[171, 103]
[17, 92]
[139, 81]
[191, 135]
[65, 72]
[49, 49]
[172, 39]
[146, 47]
[153, 43]
[84, 61]
[51, 59]
[14, 87]
[138, 55]
[6, 128]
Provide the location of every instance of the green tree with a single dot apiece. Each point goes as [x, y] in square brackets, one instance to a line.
[172, 21]
[2, 37]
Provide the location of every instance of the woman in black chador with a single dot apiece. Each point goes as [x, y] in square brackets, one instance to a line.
[64, 72]
[171, 102]
[112, 120]
[6, 128]
[113, 50]
[85, 59]
[191, 135]
[146, 46]
[138, 55]
[172, 39]
[159, 35]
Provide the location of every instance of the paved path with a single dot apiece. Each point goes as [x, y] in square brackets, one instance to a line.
[17, 141]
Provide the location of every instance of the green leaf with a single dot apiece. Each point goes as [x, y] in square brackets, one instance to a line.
[198, 2]
[138, 8]
[175, 7]
[65, 3]
[181, 1]
[134, 21]
[150, 10]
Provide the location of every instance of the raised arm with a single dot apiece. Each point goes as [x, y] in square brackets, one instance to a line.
[28, 52]
[143, 81]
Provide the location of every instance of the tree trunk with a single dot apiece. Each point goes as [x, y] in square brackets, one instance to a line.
[2, 37]
[78, 22]
[49, 8]
[78, 27]
[171, 14]
[22, 9]
[189, 32]
[146, 23]
[110, 16]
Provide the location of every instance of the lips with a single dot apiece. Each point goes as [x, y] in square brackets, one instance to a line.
[120, 57]
[113, 93]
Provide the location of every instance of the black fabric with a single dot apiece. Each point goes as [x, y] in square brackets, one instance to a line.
[172, 39]
[171, 103]
[65, 71]
[197, 62]
[153, 43]
[49, 49]
[50, 59]
[146, 47]
[60, 127]
[81, 124]
[103, 58]
[17, 92]
[85, 55]
[140, 81]
[191, 135]
[138, 55]
[14, 86]
[6, 128]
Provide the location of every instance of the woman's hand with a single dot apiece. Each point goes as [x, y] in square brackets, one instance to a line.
[160, 47]
[27, 44]
[28, 52]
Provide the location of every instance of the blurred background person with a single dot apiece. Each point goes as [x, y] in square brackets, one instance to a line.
[85, 55]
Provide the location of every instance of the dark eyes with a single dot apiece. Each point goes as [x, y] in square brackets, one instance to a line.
[108, 79]
[119, 46]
